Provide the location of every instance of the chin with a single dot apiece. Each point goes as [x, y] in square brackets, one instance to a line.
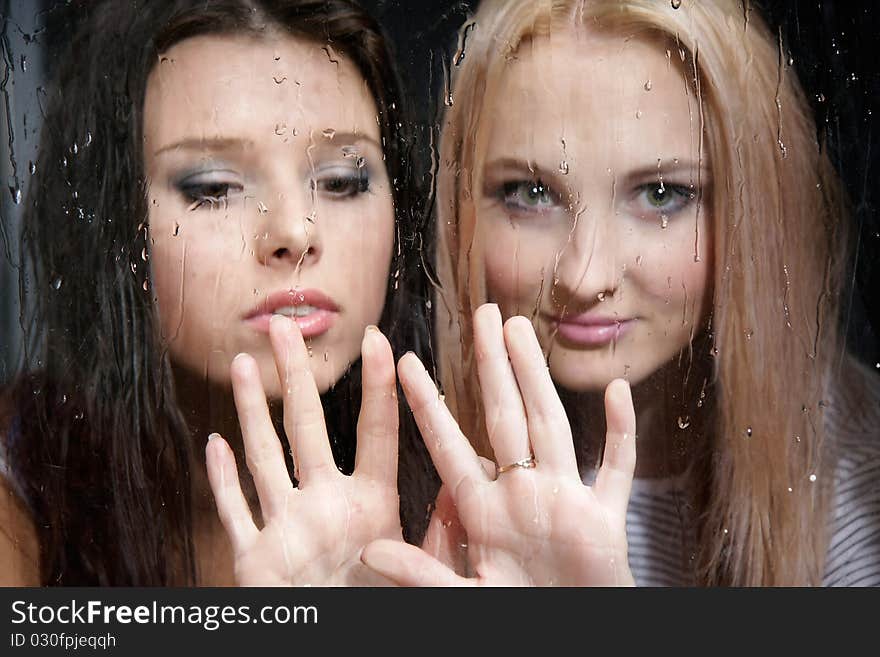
[589, 372]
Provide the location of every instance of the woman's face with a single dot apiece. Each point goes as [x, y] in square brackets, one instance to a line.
[268, 194]
[593, 210]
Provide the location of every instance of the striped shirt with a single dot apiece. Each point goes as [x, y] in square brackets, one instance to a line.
[662, 535]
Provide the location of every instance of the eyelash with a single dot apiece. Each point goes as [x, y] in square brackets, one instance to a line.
[681, 197]
[351, 185]
[511, 194]
[217, 193]
[211, 193]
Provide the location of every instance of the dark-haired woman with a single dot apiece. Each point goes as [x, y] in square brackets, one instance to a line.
[209, 170]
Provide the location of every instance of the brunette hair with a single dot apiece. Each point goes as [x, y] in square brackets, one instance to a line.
[96, 440]
[779, 256]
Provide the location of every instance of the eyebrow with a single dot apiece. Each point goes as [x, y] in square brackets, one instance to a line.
[514, 163]
[667, 167]
[229, 143]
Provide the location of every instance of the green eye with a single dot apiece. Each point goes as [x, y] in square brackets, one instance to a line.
[669, 199]
[531, 195]
[535, 193]
[659, 196]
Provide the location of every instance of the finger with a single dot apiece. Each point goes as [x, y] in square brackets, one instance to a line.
[303, 413]
[451, 452]
[549, 430]
[265, 458]
[232, 507]
[376, 455]
[614, 479]
[446, 536]
[505, 415]
[408, 565]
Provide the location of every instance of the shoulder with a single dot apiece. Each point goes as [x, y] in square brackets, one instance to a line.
[19, 548]
[853, 425]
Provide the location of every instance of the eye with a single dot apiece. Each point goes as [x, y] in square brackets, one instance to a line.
[529, 196]
[666, 198]
[206, 191]
[343, 184]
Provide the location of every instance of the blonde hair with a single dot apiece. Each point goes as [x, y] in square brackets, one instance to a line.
[777, 209]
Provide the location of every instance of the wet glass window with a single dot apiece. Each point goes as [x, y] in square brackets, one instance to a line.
[560, 293]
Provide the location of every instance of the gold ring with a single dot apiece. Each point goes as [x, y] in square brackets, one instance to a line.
[525, 464]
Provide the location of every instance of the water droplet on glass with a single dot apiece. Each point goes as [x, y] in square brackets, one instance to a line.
[262, 208]
[74, 149]
[146, 285]
[749, 333]
[280, 128]
[676, 4]
[144, 254]
[790, 489]
[601, 296]
[812, 477]
[88, 139]
[447, 100]
[664, 221]
[23, 64]
[638, 114]
[684, 422]
[56, 283]
[32, 168]
[16, 194]
[563, 168]
[176, 230]
[639, 260]
[361, 162]
[329, 133]
[134, 268]
[648, 85]
[326, 357]
[748, 432]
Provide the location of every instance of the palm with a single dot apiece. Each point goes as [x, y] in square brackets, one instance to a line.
[536, 525]
[318, 537]
[313, 533]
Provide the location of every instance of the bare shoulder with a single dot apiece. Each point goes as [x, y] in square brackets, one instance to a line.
[19, 549]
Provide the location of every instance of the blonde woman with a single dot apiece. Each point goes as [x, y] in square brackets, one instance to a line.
[642, 181]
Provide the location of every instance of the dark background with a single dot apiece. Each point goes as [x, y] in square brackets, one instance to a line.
[833, 44]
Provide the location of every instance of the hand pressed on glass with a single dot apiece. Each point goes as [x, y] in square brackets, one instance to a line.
[538, 525]
[312, 533]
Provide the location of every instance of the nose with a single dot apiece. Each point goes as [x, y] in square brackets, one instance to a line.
[289, 234]
[588, 266]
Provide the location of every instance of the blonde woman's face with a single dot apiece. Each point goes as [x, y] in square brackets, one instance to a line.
[268, 194]
[593, 211]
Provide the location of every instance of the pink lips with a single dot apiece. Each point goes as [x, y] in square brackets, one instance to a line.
[591, 330]
[314, 324]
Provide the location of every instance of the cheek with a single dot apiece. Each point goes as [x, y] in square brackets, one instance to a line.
[675, 285]
[516, 262]
[189, 275]
[361, 260]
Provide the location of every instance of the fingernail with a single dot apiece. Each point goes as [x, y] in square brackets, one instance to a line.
[212, 436]
[373, 328]
[239, 355]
